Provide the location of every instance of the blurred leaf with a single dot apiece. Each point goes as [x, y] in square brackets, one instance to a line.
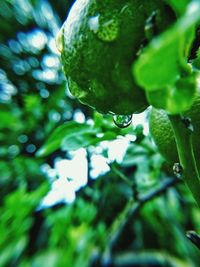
[32, 102]
[16, 222]
[72, 136]
[51, 258]
[179, 5]
[134, 155]
[66, 131]
[9, 120]
[13, 251]
[165, 59]
[175, 99]
[5, 172]
[85, 139]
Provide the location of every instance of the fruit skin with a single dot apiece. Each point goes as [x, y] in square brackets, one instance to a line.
[101, 40]
[163, 135]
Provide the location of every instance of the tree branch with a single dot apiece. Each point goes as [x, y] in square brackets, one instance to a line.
[121, 175]
[130, 210]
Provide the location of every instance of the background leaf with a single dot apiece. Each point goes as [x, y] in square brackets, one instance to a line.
[39, 225]
[67, 131]
[178, 5]
[175, 99]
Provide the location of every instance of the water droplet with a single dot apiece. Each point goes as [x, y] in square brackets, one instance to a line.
[150, 26]
[187, 123]
[178, 170]
[122, 121]
[59, 40]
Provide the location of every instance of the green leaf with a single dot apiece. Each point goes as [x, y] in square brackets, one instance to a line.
[9, 120]
[74, 141]
[165, 59]
[72, 136]
[85, 139]
[32, 102]
[175, 99]
[63, 132]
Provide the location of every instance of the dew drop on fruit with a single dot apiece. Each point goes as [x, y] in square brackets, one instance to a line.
[122, 121]
[178, 170]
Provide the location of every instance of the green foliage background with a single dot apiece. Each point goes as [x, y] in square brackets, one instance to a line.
[106, 225]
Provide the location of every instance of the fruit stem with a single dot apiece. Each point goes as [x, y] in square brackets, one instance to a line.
[183, 137]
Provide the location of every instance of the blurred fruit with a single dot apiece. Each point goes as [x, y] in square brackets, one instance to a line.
[163, 135]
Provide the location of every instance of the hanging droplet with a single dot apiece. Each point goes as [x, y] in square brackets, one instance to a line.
[178, 170]
[122, 121]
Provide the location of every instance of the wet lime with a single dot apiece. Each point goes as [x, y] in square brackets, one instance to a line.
[99, 42]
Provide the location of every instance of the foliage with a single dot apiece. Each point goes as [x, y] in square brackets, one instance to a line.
[130, 215]
[175, 81]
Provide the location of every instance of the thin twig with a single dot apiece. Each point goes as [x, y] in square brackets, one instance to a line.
[126, 179]
[121, 175]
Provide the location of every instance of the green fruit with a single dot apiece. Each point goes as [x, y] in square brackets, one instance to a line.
[163, 135]
[99, 42]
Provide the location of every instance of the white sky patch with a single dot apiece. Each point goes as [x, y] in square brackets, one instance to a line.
[116, 152]
[72, 175]
[75, 170]
[117, 149]
[61, 191]
[99, 165]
